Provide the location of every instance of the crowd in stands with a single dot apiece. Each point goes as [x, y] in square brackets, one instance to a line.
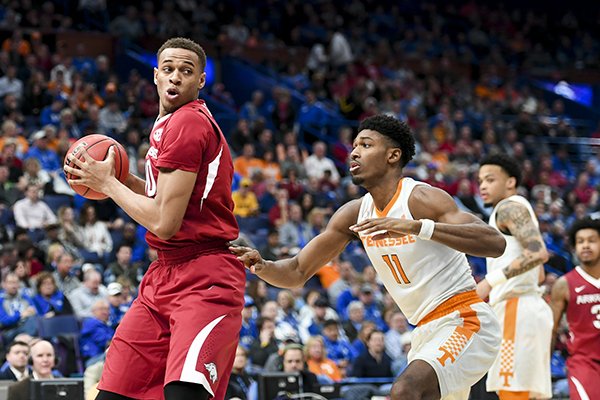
[62, 255]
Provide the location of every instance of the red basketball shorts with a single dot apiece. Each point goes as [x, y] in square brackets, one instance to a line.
[184, 326]
[584, 377]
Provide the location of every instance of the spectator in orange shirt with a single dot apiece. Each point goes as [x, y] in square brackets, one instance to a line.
[246, 164]
[317, 361]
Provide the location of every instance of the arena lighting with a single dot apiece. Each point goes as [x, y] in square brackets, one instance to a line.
[578, 92]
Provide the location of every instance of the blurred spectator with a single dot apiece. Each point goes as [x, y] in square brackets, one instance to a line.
[94, 234]
[265, 345]
[16, 367]
[65, 279]
[347, 276]
[295, 232]
[317, 163]
[10, 135]
[245, 201]
[241, 385]
[128, 25]
[394, 337]
[123, 265]
[112, 120]
[284, 114]
[118, 304]
[338, 348]
[96, 333]
[32, 213]
[10, 84]
[17, 314]
[373, 363]
[317, 361]
[249, 330]
[47, 158]
[86, 295]
[294, 361]
[247, 164]
[49, 300]
[356, 318]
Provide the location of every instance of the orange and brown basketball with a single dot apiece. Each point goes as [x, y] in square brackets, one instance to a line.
[97, 147]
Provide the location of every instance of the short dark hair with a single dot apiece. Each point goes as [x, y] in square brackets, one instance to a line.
[395, 130]
[330, 322]
[507, 163]
[580, 224]
[16, 343]
[185, 43]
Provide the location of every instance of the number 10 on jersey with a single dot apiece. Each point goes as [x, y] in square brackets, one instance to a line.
[393, 263]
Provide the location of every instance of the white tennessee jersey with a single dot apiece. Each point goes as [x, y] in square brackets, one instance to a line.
[419, 274]
[526, 283]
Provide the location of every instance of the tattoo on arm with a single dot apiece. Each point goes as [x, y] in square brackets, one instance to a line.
[515, 218]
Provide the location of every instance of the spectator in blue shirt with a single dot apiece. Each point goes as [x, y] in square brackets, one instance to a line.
[338, 348]
[17, 311]
[48, 158]
[118, 304]
[49, 301]
[249, 331]
[96, 333]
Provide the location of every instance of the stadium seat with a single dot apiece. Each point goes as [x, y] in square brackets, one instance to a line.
[64, 332]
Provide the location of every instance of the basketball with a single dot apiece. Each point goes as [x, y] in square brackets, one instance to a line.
[97, 147]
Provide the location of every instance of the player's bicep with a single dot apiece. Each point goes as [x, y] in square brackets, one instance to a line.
[174, 191]
[437, 205]
[515, 218]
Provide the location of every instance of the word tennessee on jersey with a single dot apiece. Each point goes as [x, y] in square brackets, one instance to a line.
[419, 274]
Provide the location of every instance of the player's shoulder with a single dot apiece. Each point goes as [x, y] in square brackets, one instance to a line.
[191, 112]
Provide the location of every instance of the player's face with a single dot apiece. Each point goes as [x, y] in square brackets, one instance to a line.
[493, 184]
[370, 156]
[178, 79]
[587, 247]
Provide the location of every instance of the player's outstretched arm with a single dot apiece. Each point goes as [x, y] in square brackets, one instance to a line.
[559, 298]
[294, 272]
[161, 215]
[454, 228]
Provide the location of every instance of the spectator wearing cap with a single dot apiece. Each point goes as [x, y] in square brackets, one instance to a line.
[96, 332]
[249, 331]
[118, 304]
[314, 325]
[48, 159]
[372, 311]
[245, 201]
[49, 300]
[337, 346]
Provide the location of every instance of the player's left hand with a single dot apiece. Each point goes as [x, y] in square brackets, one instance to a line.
[382, 228]
[92, 173]
[250, 257]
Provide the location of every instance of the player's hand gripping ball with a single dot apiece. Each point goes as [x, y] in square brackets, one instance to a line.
[97, 147]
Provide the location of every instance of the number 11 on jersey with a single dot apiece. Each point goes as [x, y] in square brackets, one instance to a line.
[394, 264]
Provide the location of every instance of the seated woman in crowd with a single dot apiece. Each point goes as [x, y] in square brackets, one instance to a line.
[317, 361]
[49, 301]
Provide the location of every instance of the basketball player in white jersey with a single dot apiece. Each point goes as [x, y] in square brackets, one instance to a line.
[522, 369]
[416, 238]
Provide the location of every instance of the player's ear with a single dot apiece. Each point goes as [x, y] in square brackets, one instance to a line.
[394, 155]
[155, 75]
[202, 81]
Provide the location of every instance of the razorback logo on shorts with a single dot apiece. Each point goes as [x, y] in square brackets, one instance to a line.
[212, 371]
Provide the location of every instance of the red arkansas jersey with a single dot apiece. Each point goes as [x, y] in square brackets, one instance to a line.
[583, 314]
[189, 139]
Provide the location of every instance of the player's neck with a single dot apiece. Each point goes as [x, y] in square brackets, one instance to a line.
[592, 270]
[384, 191]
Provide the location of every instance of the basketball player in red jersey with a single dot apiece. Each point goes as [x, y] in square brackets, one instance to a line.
[578, 294]
[179, 338]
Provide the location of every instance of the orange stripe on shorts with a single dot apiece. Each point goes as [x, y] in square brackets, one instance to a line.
[507, 351]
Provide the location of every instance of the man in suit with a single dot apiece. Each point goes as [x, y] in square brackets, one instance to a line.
[15, 368]
[42, 362]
